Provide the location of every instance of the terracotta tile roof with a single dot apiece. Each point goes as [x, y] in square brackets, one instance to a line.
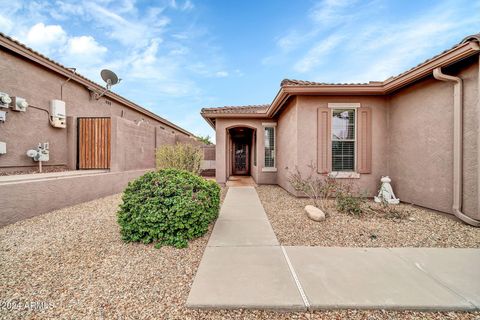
[262, 108]
[293, 82]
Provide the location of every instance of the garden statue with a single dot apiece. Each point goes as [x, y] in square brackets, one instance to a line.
[386, 195]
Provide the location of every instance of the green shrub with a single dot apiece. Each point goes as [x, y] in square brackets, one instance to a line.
[182, 156]
[391, 211]
[348, 201]
[168, 207]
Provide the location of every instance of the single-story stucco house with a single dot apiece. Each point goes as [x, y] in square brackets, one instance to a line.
[421, 128]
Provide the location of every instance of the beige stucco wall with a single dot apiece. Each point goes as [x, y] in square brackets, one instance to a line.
[298, 145]
[421, 141]
[135, 145]
[287, 144]
[25, 199]
[223, 150]
[24, 130]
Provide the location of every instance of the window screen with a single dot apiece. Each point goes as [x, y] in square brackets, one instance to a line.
[269, 147]
[343, 140]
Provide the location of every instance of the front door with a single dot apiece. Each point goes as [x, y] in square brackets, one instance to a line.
[240, 158]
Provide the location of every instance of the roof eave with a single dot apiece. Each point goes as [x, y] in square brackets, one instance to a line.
[209, 120]
[448, 58]
[209, 117]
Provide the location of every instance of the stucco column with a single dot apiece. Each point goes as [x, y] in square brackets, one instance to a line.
[220, 153]
[72, 147]
[115, 158]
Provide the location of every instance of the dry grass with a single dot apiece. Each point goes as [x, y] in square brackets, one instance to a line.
[423, 228]
[74, 261]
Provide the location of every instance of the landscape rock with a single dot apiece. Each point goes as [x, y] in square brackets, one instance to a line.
[314, 213]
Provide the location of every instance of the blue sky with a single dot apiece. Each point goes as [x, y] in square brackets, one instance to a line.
[177, 56]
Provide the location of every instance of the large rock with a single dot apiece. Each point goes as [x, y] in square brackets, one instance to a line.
[314, 213]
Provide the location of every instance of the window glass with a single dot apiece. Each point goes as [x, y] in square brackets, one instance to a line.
[343, 140]
[269, 147]
[343, 124]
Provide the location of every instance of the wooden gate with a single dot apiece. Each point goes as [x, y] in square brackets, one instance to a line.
[93, 143]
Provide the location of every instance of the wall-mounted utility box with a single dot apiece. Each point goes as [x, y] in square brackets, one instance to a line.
[3, 147]
[19, 104]
[58, 115]
[3, 116]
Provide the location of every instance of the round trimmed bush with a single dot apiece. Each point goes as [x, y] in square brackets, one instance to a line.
[169, 207]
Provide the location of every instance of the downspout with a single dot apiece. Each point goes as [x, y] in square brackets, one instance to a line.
[457, 145]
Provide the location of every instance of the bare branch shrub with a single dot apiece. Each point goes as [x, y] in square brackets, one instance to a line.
[319, 188]
[183, 156]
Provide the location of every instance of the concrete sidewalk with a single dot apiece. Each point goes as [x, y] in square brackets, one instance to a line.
[244, 266]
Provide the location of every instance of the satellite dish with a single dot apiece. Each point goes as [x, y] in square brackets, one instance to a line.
[109, 77]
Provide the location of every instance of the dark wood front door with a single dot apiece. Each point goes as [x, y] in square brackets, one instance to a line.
[240, 158]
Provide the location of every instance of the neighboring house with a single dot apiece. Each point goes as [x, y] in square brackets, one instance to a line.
[421, 128]
[106, 133]
[110, 133]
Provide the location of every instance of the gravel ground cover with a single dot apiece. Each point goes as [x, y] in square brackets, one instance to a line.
[424, 228]
[71, 264]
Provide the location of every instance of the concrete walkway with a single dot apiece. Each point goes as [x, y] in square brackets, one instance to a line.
[244, 266]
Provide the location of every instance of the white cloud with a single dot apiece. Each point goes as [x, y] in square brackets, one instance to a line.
[331, 12]
[85, 45]
[6, 25]
[317, 54]
[187, 5]
[46, 38]
[143, 61]
[221, 74]
[64, 10]
[84, 51]
[130, 32]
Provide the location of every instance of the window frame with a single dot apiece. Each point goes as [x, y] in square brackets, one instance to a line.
[345, 106]
[255, 147]
[274, 127]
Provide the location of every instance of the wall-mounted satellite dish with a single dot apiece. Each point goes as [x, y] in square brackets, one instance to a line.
[110, 78]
